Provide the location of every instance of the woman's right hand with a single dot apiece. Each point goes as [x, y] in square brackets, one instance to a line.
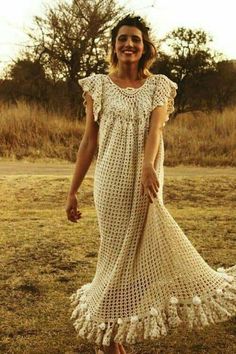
[71, 208]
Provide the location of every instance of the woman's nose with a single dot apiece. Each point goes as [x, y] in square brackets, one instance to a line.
[129, 42]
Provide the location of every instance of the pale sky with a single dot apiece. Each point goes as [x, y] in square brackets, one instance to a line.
[216, 18]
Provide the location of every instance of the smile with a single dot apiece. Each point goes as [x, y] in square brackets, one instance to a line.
[128, 52]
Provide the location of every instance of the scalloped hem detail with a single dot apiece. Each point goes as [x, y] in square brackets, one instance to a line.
[159, 321]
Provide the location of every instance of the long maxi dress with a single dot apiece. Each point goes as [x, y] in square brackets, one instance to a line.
[149, 278]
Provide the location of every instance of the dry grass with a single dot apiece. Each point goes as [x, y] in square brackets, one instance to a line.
[29, 131]
[45, 258]
[199, 139]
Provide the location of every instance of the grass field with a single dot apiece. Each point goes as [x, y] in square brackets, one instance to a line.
[27, 131]
[191, 139]
[45, 258]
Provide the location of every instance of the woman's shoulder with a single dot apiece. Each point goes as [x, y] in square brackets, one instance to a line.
[93, 76]
[157, 79]
[163, 79]
[92, 79]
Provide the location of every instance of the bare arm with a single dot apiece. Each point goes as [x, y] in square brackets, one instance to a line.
[150, 183]
[154, 136]
[85, 155]
[87, 147]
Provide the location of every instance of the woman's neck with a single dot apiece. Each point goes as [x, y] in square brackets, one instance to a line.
[127, 72]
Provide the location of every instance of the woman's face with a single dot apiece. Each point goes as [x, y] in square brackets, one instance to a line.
[129, 44]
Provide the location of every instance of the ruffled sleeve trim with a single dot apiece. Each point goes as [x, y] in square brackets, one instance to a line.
[165, 91]
[93, 85]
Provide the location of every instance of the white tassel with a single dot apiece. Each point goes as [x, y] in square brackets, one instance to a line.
[190, 315]
[132, 332]
[83, 306]
[224, 275]
[134, 319]
[155, 329]
[83, 330]
[79, 323]
[100, 331]
[88, 317]
[220, 311]
[72, 297]
[173, 317]
[120, 321]
[154, 312]
[83, 298]
[219, 291]
[75, 313]
[107, 336]
[201, 318]
[221, 270]
[92, 333]
[102, 325]
[196, 300]
[147, 325]
[121, 332]
[230, 278]
[174, 300]
[208, 313]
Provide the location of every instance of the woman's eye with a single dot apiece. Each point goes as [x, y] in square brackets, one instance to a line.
[124, 39]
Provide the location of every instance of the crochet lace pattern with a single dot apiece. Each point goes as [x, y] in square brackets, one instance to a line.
[149, 278]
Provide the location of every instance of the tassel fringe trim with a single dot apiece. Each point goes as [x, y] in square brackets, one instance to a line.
[159, 321]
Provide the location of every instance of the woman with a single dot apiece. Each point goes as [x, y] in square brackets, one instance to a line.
[149, 278]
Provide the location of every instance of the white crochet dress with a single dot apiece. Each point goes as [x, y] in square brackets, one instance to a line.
[149, 277]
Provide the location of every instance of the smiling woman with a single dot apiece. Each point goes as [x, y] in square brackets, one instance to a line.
[130, 45]
[165, 15]
[150, 280]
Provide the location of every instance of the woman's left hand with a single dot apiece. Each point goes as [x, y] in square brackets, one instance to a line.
[149, 182]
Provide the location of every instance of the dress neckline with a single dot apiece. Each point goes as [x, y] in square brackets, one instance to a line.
[134, 89]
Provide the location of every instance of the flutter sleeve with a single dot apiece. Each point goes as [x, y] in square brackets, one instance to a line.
[165, 91]
[93, 85]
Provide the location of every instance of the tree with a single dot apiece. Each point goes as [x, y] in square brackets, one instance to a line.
[220, 85]
[29, 81]
[191, 51]
[191, 58]
[71, 41]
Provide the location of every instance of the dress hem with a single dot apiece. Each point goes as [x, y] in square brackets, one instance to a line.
[159, 321]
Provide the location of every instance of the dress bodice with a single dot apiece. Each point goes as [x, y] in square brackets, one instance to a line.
[129, 105]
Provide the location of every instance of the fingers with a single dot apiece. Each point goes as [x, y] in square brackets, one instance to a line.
[71, 208]
[155, 187]
[151, 195]
[73, 215]
[150, 184]
[151, 191]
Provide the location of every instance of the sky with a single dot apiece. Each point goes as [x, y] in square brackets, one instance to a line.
[215, 18]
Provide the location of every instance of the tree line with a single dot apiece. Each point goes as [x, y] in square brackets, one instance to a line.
[71, 41]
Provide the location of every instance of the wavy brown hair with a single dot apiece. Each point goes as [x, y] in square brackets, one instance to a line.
[147, 59]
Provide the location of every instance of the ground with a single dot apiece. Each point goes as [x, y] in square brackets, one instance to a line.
[45, 257]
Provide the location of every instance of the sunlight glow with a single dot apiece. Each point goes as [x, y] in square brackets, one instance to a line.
[216, 18]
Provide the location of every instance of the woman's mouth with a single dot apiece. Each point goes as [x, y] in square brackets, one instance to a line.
[128, 52]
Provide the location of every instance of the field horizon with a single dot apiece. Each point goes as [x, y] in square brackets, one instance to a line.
[201, 139]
